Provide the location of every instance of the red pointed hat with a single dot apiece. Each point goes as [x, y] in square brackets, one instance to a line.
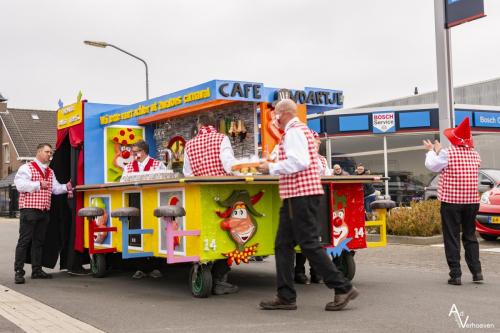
[460, 135]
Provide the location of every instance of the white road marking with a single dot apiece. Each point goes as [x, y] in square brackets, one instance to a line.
[34, 316]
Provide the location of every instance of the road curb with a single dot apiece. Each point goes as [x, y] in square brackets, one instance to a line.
[413, 240]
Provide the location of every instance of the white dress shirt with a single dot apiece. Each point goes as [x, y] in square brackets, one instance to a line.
[24, 183]
[142, 165]
[296, 151]
[436, 162]
[326, 171]
[226, 157]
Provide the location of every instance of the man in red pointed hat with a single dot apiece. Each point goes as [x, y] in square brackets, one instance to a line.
[458, 192]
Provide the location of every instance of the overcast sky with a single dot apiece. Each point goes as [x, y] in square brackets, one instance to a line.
[372, 50]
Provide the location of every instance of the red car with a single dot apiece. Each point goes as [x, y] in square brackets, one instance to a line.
[488, 217]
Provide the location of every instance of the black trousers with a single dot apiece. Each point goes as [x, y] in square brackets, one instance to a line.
[298, 226]
[454, 216]
[219, 269]
[32, 230]
[300, 262]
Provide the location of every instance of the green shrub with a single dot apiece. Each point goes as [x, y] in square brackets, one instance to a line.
[422, 218]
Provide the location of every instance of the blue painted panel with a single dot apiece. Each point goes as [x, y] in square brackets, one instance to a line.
[314, 124]
[93, 144]
[414, 119]
[165, 103]
[487, 119]
[460, 115]
[353, 123]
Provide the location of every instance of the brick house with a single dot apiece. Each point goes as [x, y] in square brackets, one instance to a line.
[21, 131]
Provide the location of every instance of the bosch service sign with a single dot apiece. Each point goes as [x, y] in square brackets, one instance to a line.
[384, 122]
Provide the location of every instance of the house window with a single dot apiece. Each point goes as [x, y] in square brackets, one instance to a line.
[6, 153]
[34, 116]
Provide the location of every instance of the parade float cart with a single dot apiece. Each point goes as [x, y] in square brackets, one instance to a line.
[231, 218]
[202, 219]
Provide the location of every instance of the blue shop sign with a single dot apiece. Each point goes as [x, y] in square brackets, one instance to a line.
[487, 119]
[461, 11]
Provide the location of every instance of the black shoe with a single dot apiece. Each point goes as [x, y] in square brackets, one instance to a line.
[455, 281]
[80, 271]
[39, 274]
[316, 279]
[301, 278]
[223, 288]
[477, 278]
[19, 277]
[278, 304]
[340, 301]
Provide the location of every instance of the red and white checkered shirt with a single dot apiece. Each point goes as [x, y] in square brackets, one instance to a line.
[38, 199]
[302, 183]
[204, 151]
[458, 181]
[155, 165]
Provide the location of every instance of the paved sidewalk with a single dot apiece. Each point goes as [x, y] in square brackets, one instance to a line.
[33, 316]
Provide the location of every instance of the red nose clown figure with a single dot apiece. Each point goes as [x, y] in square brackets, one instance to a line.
[340, 230]
[240, 223]
[122, 143]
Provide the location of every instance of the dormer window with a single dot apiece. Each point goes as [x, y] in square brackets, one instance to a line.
[34, 116]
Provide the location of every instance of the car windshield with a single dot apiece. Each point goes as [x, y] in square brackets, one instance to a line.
[493, 173]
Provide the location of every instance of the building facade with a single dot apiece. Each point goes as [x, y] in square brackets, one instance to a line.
[21, 131]
[362, 135]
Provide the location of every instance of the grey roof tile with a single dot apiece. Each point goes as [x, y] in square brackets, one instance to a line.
[26, 132]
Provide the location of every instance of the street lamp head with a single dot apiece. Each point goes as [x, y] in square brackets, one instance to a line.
[96, 44]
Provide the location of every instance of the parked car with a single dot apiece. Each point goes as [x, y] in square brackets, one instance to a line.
[488, 217]
[403, 187]
[487, 179]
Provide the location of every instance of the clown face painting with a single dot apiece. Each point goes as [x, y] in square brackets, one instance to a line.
[239, 221]
[340, 230]
[240, 224]
[123, 156]
[118, 143]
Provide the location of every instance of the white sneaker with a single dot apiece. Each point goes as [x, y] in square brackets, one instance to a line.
[155, 274]
[138, 275]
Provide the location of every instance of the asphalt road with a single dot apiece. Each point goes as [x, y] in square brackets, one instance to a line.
[403, 289]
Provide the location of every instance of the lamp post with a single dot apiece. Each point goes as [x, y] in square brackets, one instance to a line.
[104, 44]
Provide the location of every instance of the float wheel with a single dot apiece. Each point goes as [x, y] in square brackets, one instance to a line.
[200, 281]
[98, 265]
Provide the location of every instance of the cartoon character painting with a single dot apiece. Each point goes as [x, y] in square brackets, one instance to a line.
[339, 227]
[118, 149]
[100, 221]
[169, 197]
[239, 221]
[176, 148]
[340, 230]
